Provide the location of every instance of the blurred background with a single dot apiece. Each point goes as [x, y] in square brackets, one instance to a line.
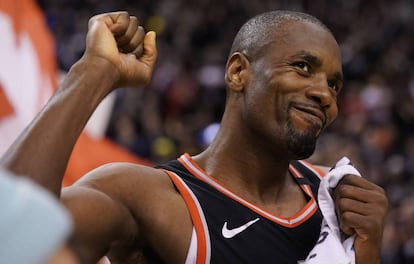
[181, 109]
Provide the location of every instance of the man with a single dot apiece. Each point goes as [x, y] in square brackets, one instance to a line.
[245, 198]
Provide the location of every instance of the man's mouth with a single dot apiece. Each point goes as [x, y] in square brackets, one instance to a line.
[314, 114]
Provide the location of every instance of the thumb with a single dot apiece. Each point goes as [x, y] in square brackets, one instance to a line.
[149, 55]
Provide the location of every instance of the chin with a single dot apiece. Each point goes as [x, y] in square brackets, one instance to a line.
[302, 152]
[301, 145]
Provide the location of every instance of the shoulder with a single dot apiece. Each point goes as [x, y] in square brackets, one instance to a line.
[125, 202]
[141, 191]
[135, 188]
[127, 181]
[120, 173]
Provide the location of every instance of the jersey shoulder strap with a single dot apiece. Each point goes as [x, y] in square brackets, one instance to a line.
[312, 175]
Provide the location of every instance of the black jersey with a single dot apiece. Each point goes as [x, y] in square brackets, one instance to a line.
[229, 229]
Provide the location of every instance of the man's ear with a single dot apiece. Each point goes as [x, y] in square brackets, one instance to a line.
[237, 72]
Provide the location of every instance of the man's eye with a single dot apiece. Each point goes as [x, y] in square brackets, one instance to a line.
[333, 85]
[303, 65]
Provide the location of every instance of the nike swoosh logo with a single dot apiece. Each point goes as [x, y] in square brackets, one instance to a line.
[229, 233]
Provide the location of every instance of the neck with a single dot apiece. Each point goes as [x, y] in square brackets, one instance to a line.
[246, 167]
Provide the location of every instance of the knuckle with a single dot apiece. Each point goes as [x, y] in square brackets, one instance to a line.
[384, 202]
[346, 217]
[381, 190]
[134, 19]
[349, 178]
[342, 203]
[93, 19]
[381, 198]
[123, 14]
[345, 228]
[343, 190]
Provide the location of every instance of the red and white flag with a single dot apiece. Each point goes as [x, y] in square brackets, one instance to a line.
[28, 77]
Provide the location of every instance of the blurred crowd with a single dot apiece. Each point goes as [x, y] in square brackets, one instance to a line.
[181, 109]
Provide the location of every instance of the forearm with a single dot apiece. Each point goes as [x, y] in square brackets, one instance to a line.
[43, 149]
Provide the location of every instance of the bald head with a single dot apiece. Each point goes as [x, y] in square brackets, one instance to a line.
[260, 30]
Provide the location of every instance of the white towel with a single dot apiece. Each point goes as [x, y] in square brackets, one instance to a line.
[332, 246]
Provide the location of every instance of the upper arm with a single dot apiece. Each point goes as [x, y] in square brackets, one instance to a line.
[100, 216]
[120, 204]
[99, 220]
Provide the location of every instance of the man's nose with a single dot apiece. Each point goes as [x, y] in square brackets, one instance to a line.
[320, 92]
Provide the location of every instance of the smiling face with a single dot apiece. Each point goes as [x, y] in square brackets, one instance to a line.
[291, 87]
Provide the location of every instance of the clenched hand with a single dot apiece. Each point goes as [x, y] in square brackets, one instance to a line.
[361, 208]
[119, 39]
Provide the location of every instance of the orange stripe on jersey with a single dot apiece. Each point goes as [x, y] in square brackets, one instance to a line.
[197, 216]
[318, 171]
[304, 214]
[305, 187]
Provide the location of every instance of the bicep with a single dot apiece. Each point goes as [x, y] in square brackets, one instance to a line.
[99, 220]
